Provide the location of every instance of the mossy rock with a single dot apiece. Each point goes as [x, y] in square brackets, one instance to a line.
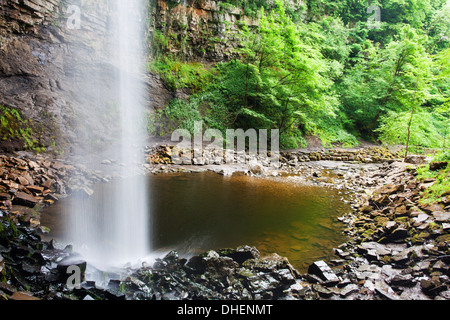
[420, 238]
[381, 221]
[443, 238]
[402, 220]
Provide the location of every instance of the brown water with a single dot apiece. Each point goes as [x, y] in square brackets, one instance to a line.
[196, 212]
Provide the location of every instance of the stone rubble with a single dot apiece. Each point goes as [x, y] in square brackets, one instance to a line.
[398, 248]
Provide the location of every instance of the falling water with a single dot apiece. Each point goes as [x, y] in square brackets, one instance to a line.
[114, 229]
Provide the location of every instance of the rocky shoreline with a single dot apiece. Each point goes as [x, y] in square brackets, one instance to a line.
[398, 248]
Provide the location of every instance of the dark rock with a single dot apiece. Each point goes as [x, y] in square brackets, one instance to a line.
[264, 282]
[65, 265]
[241, 254]
[7, 288]
[30, 267]
[401, 280]
[322, 291]
[196, 265]
[270, 263]
[219, 266]
[432, 287]
[398, 234]
[439, 165]
[312, 278]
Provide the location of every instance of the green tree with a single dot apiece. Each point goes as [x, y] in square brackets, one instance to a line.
[284, 78]
[383, 80]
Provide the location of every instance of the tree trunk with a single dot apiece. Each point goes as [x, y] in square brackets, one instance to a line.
[410, 122]
[409, 132]
[397, 70]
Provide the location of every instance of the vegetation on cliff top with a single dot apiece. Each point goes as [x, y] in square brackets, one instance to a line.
[332, 73]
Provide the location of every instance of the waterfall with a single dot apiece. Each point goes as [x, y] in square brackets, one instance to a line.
[112, 228]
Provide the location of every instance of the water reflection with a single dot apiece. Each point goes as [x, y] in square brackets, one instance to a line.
[196, 212]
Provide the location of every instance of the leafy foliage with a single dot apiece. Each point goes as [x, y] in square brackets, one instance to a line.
[442, 184]
[179, 75]
[329, 74]
[12, 126]
[426, 129]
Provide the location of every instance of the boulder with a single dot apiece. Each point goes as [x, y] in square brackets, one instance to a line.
[218, 266]
[264, 282]
[415, 159]
[270, 263]
[323, 271]
[24, 199]
[66, 268]
[241, 254]
[441, 216]
[439, 165]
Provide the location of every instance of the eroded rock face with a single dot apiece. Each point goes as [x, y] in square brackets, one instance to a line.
[46, 62]
[57, 71]
[203, 30]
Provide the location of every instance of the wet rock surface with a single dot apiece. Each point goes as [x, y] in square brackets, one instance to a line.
[29, 266]
[28, 183]
[213, 276]
[398, 248]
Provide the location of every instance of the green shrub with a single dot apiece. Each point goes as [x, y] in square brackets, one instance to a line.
[179, 75]
[13, 126]
[442, 156]
[425, 129]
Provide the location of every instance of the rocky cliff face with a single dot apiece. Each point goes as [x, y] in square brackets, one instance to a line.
[47, 49]
[199, 29]
[26, 46]
[203, 29]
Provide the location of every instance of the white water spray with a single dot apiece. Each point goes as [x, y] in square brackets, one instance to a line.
[114, 229]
